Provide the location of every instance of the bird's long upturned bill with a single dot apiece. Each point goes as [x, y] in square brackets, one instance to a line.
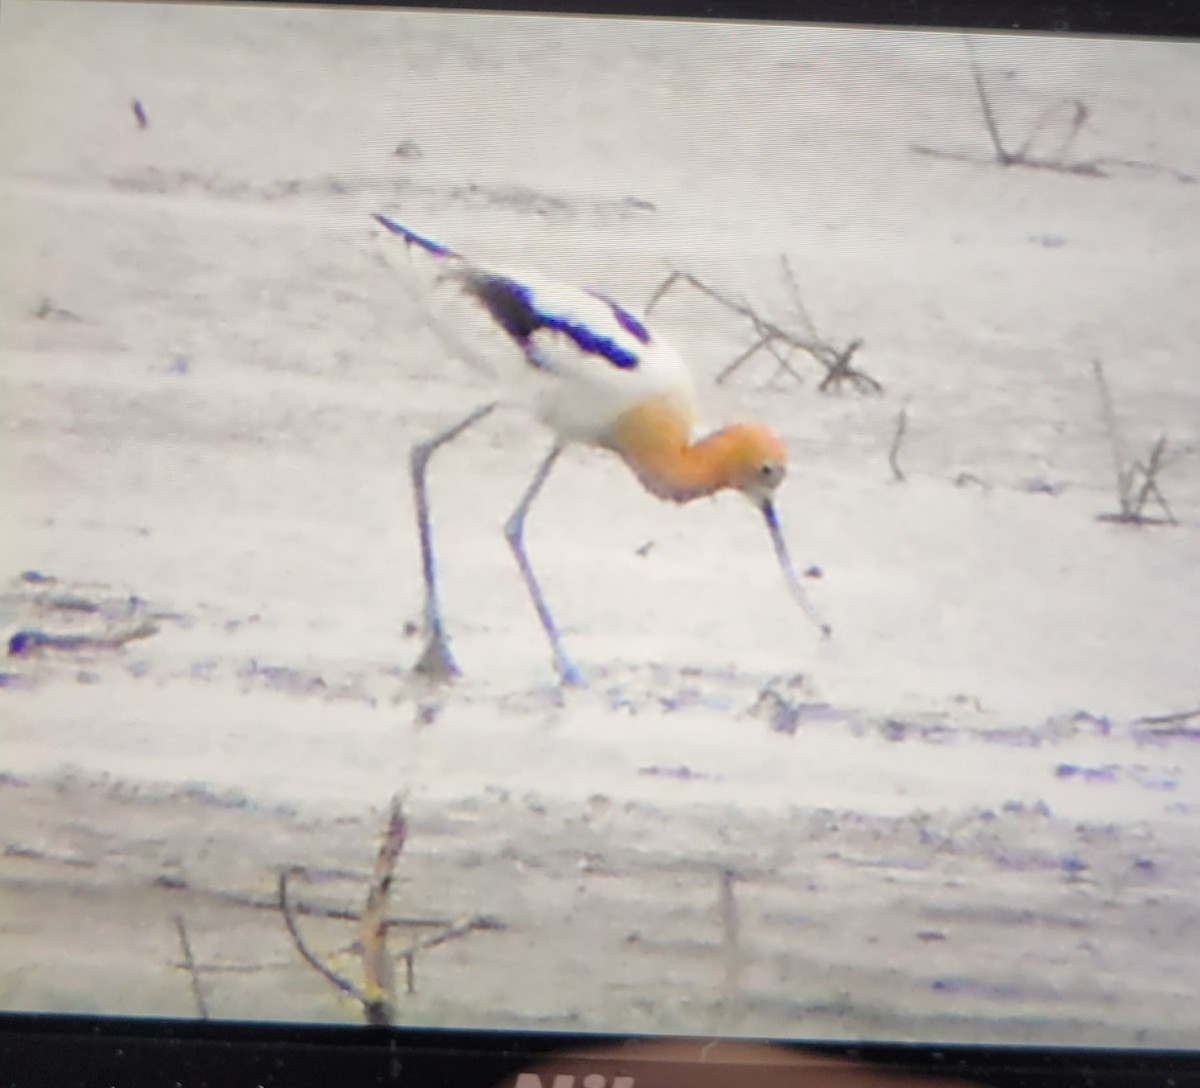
[789, 574]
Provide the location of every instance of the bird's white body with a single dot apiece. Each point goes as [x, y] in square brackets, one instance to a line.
[579, 392]
[580, 395]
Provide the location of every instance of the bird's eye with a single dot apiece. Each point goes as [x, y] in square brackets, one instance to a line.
[768, 471]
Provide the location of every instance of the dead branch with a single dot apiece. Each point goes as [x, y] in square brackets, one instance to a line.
[31, 640]
[303, 909]
[189, 965]
[310, 957]
[731, 952]
[1105, 161]
[894, 452]
[758, 345]
[840, 370]
[729, 1008]
[774, 339]
[378, 968]
[378, 997]
[1149, 480]
[1079, 117]
[451, 933]
[985, 103]
[1091, 168]
[1110, 427]
[783, 361]
[1099, 167]
[789, 278]
[1168, 719]
[224, 968]
[1136, 482]
[48, 310]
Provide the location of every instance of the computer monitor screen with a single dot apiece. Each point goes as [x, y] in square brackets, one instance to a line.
[599, 524]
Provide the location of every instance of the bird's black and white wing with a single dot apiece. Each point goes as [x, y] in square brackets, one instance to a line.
[605, 358]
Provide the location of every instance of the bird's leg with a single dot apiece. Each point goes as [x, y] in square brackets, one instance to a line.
[514, 530]
[436, 660]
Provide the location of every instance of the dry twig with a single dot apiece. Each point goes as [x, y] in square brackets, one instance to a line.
[731, 952]
[301, 909]
[452, 932]
[310, 957]
[780, 343]
[378, 998]
[378, 968]
[1168, 719]
[1078, 114]
[189, 965]
[1137, 482]
[897, 438]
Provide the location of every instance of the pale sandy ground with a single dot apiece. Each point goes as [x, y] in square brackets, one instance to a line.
[954, 821]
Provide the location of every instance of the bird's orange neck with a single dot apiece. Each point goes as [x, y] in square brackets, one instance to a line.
[654, 439]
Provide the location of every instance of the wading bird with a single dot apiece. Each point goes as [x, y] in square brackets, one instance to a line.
[604, 380]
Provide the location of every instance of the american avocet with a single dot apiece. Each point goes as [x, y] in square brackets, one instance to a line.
[606, 381]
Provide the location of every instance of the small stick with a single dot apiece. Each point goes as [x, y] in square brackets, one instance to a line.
[452, 932]
[839, 369]
[30, 640]
[1131, 496]
[989, 119]
[789, 278]
[1114, 436]
[1150, 481]
[769, 335]
[378, 967]
[189, 963]
[662, 289]
[218, 967]
[1025, 156]
[731, 953]
[897, 438]
[751, 351]
[1168, 719]
[1077, 122]
[301, 909]
[343, 984]
[783, 363]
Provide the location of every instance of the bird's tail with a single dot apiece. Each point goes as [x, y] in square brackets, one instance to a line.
[412, 238]
[466, 331]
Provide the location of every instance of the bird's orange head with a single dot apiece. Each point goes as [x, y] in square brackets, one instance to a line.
[752, 457]
[654, 440]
